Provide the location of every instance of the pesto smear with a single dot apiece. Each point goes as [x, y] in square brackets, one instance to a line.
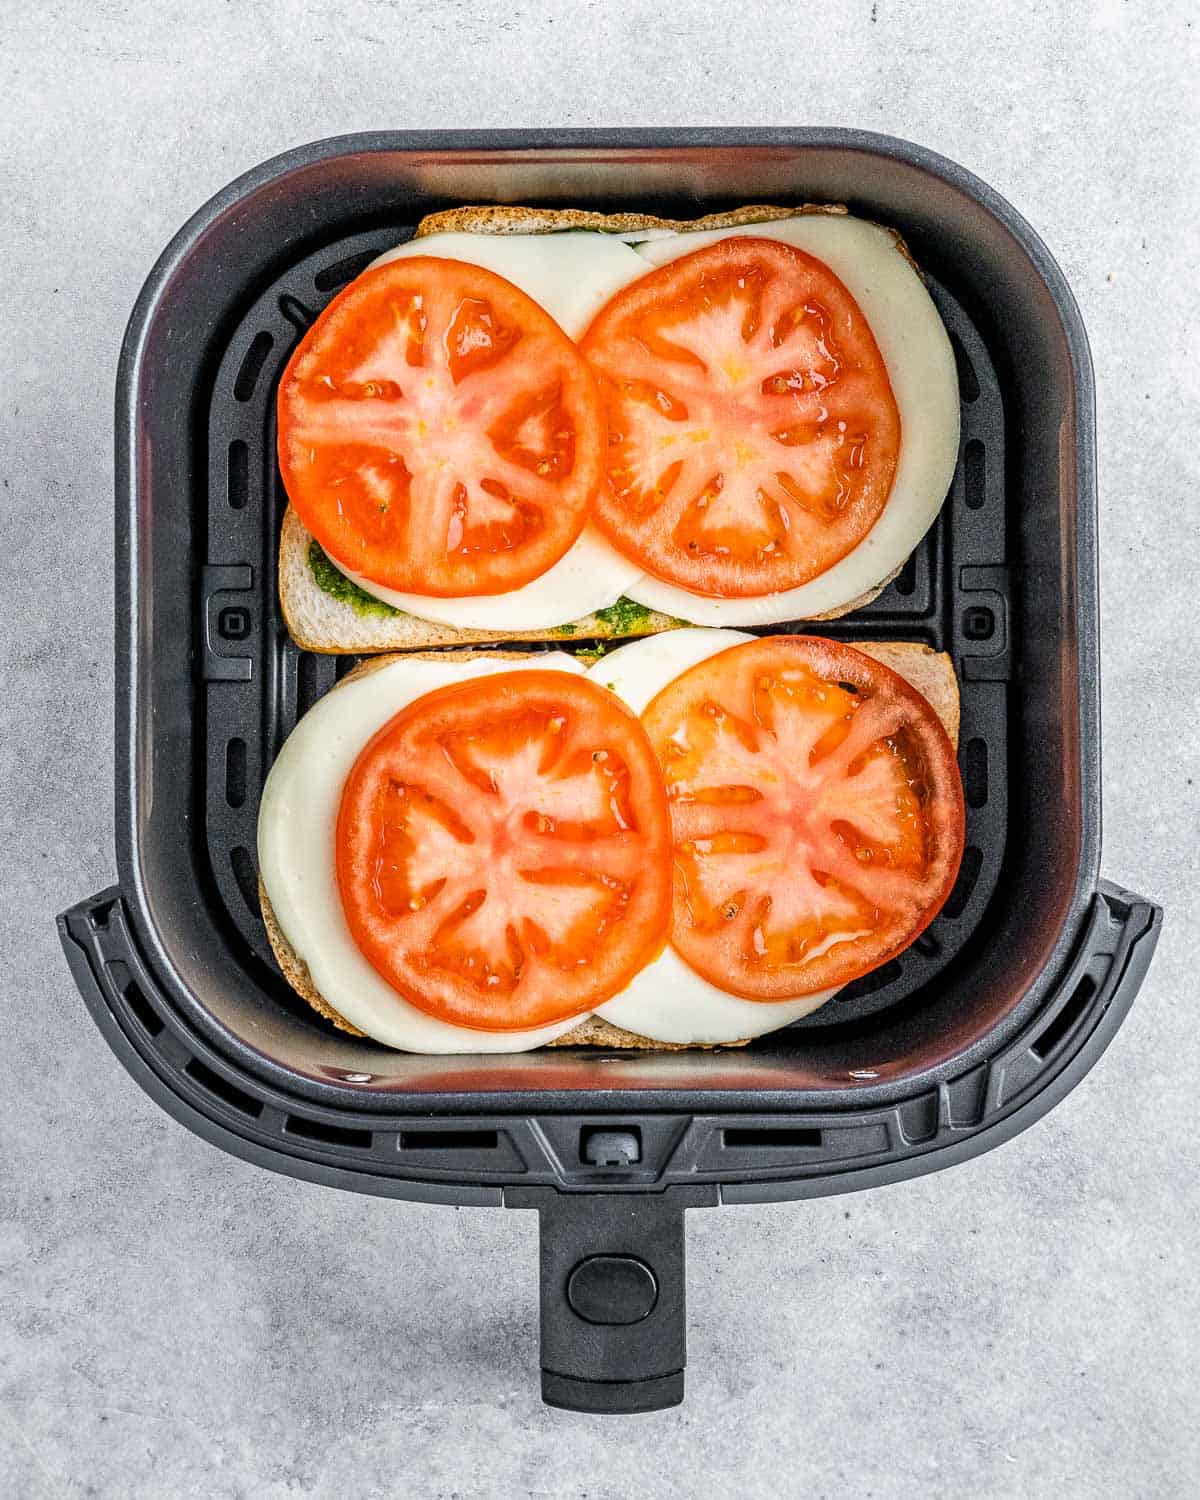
[331, 580]
[625, 616]
[622, 618]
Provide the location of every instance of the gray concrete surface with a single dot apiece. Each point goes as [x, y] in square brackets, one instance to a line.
[175, 1323]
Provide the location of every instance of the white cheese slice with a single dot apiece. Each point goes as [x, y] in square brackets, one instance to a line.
[667, 1000]
[297, 823]
[920, 364]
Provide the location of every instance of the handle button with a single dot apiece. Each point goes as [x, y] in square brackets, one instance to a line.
[612, 1289]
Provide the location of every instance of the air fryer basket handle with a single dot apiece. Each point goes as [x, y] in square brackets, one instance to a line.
[612, 1296]
[612, 1259]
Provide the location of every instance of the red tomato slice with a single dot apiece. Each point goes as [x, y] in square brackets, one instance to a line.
[817, 814]
[503, 850]
[438, 432]
[753, 433]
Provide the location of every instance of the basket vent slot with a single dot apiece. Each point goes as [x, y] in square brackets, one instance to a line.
[252, 365]
[247, 880]
[329, 1135]
[974, 475]
[1064, 1022]
[972, 863]
[239, 475]
[872, 982]
[769, 1137]
[316, 675]
[975, 772]
[341, 271]
[449, 1140]
[135, 998]
[235, 772]
[228, 1092]
[968, 381]
[298, 315]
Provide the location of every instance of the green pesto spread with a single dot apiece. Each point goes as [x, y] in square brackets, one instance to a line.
[622, 618]
[625, 616]
[335, 583]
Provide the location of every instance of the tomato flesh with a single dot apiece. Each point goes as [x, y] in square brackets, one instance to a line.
[503, 850]
[753, 432]
[817, 814]
[438, 433]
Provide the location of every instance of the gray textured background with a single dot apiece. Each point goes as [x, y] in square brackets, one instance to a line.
[175, 1323]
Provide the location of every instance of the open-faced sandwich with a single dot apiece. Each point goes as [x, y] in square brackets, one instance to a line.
[526, 426]
[530, 425]
[697, 839]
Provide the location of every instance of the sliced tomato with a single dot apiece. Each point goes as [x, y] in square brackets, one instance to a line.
[503, 850]
[438, 432]
[817, 814]
[753, 433]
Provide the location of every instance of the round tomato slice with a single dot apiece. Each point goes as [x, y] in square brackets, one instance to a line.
[503, 850]
[753, 433]
[438, 432]
[817, 814]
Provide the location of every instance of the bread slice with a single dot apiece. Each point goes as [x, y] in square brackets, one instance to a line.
[350, 621]
[504, 218]
[930, 672]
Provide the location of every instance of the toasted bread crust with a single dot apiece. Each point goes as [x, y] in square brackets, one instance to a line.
[860, 600]
[295, 970]
[503, 218]
[595, 1031]
[930, 672]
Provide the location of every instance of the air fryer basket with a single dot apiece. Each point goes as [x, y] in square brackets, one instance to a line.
[988, 1020]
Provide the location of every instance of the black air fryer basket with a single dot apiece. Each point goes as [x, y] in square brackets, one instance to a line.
[992, 1016]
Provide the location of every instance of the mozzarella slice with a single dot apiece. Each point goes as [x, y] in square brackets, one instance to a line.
[572, 275]
[296, 831]
[638, 672]
[667, 1000]
[920, 364]
[591, 575]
